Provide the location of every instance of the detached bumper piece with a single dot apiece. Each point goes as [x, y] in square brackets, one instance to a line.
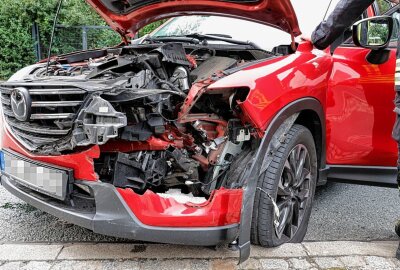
[112, 216]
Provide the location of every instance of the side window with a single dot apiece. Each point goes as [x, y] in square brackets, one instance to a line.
[382, 6]
[396, 17]
[385, 7]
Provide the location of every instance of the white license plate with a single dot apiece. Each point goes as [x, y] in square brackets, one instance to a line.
[44, 179]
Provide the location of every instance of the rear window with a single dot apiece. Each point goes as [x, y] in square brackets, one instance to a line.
[125, 6]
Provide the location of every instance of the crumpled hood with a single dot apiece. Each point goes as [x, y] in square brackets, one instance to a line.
[128, 16]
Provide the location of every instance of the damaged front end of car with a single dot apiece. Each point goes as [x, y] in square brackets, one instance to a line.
[158, 124]
[158, 141]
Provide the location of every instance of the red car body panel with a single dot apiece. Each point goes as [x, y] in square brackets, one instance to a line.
[279, 14]
[223, 208]
[359, 111]
[81, 163]
[275, 83]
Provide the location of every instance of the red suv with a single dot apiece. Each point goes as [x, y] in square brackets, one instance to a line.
[193, 136]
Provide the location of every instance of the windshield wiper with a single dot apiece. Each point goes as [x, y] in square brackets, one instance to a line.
[196, 38]
[220, 37]
[172, 39]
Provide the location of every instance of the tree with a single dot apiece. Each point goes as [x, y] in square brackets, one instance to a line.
[383, 6]
[17, 18]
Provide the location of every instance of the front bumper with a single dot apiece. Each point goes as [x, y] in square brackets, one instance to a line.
[113, 217]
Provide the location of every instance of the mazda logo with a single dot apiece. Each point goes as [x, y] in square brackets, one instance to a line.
[21, 103]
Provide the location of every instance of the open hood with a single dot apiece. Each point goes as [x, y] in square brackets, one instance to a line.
[128, 16]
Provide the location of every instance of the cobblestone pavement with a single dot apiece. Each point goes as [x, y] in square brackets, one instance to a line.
[309, 255]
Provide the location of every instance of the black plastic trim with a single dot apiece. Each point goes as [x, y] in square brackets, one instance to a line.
[254, 172]
[365, 175]
[378, 57]
[370, 19]
[113, 217]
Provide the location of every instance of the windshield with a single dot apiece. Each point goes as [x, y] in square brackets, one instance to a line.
[222, 26]
[266, 37]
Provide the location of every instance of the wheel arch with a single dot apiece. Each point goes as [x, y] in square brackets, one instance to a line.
[312, 115]
[315, 123]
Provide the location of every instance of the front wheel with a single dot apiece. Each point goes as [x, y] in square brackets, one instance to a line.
[285, 191]
[397, 228]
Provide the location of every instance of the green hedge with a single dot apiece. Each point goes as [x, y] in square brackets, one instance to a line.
[17, 18]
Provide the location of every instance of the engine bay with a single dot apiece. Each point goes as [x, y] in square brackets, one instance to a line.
[149, 110]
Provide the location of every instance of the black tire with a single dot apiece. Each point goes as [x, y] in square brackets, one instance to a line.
[397, 228]
[296, 200]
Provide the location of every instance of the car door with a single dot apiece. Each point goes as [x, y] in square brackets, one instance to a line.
[359, 112]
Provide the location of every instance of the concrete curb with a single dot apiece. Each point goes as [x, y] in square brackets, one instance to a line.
[79, 251]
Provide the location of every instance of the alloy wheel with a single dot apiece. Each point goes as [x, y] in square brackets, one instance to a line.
[293, 192]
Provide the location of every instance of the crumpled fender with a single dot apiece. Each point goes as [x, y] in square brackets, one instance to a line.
[285, 119]
[278, 81]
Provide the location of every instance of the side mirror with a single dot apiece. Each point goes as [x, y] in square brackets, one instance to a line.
[373, 33]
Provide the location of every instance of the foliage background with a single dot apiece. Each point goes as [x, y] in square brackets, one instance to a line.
[17, 18]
